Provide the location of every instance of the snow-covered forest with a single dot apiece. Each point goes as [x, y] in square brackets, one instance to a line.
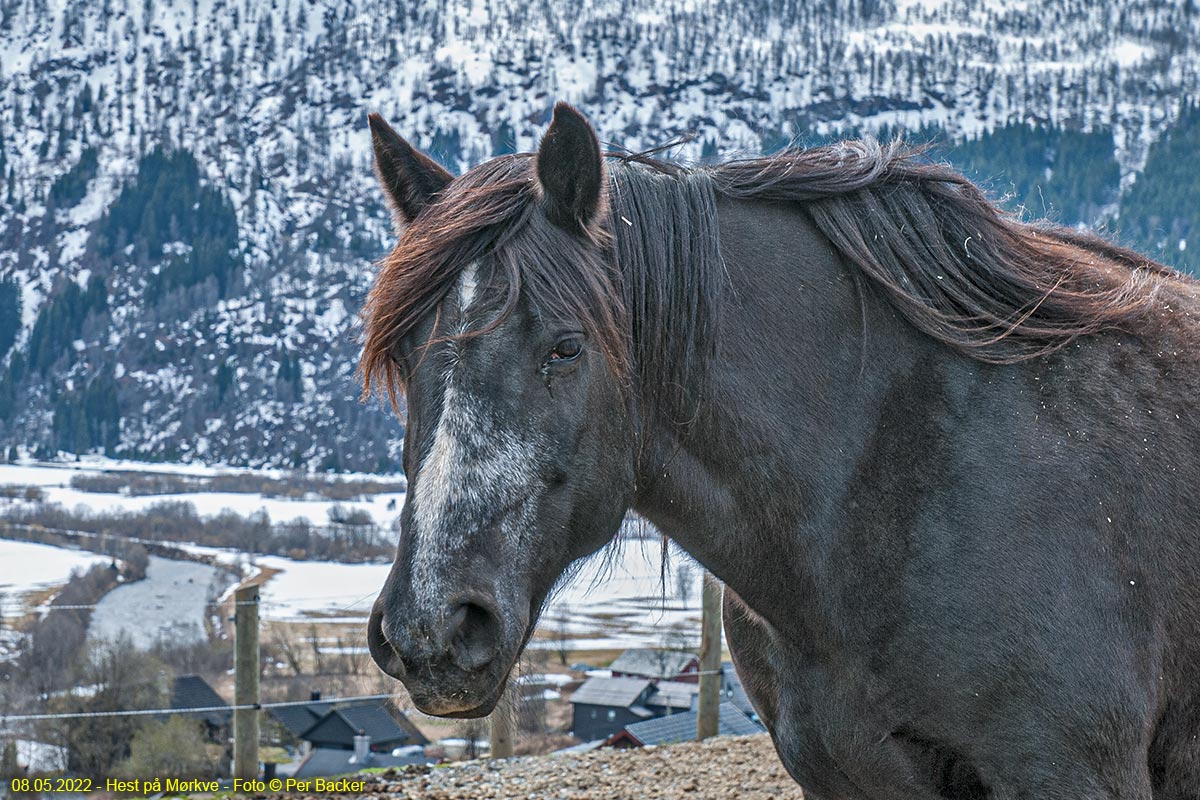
[188, 217]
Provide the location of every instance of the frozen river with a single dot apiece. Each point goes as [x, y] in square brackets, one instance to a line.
[168, 604]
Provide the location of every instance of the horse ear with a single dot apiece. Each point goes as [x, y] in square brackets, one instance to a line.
[569, 170]
[409, 178]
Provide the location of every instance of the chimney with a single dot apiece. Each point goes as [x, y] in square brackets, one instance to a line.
[362, 748]
[315, 695]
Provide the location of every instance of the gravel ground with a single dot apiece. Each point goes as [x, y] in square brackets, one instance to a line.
[744, 767]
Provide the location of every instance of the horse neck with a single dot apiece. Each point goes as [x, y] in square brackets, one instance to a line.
[751, 486]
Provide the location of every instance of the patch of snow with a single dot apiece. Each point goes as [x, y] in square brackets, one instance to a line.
[55, 480]
[310, 588]
[1127, 53]
[29, 567]
[39, 757]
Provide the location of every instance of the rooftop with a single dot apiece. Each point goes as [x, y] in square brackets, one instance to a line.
[616, 692]
[374, 721]
[193, 692]
[323, 761]
[652, 663]
[299, 718]
[682, 727]
[673, 694]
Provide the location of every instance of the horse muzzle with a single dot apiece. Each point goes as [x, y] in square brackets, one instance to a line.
[454, 662]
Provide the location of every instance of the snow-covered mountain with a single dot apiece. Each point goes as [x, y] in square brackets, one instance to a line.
[188, 216]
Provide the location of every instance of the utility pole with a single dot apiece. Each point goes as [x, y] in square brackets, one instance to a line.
[707, 718]
[245, 678]
[502, 723]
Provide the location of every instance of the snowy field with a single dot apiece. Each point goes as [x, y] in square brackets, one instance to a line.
[27, 568]
[621, 600]
[168, 604]
[612, 602]
[319, 589]
[55, 482]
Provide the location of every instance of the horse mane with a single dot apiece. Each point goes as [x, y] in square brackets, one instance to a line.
[960, 269]
[956, 266]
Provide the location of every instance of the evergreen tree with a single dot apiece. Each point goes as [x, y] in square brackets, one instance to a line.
[1068, 176]
[60, 321]
[168, 203]
[1160, 215]
[70, 187]
[10, 313]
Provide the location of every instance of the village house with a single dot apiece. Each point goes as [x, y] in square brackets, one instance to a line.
[603, 706]
[321, 724]
[682, 728]
[363, 754]
[193, 697]
[657, 665]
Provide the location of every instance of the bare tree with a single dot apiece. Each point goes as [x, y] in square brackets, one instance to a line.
[684, 582]
[681, 638]
[174, 747]
[353, 655]
[284, 643]
[561, 636]
[123, 678]
[314, 641]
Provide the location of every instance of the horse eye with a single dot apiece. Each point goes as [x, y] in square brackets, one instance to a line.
[567, 349]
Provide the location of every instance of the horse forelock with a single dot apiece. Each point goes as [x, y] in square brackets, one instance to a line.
[632, 280]
[435, 248]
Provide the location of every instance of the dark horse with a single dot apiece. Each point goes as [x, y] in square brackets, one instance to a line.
[943, 460]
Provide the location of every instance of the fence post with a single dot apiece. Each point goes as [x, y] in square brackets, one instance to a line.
[502, 723]
[707, 718]
[245, 677]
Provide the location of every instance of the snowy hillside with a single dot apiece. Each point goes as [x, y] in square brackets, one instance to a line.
[188, 216]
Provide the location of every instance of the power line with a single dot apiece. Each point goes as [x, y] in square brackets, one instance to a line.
[261, 603]
[146, 712]
[216, 709]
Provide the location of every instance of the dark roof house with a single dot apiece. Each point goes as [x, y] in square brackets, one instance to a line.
[339, 727]
[622, 692]
[298, 719]
[603, 706]
[322, 761]
[682, 728]
[192, 696]
[656, 665]
[328, 724]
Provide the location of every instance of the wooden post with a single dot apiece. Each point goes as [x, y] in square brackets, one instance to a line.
[707, 720]
[502, 723]
[245, 677]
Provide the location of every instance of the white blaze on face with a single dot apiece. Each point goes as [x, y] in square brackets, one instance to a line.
[467, 285]
[475, 468]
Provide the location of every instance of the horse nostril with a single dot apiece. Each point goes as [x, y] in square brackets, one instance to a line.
[473, 632]
[381, 648]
